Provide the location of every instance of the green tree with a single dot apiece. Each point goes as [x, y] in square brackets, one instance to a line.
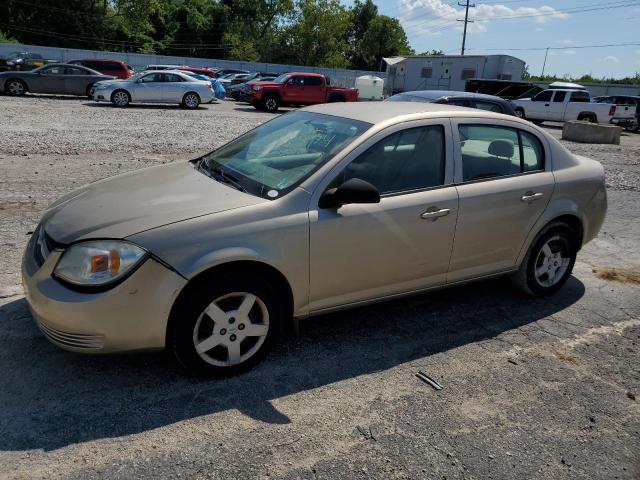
[4, 38]
[385, 37]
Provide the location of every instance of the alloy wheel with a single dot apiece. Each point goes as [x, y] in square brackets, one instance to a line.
[191, 100]
[271, 104]
[231, 329]
[121, 99]
[16, 88]
[552, 262]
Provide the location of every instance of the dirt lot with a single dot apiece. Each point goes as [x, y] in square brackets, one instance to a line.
[532, 388]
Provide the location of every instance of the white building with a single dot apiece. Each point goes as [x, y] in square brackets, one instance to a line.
[448, 72]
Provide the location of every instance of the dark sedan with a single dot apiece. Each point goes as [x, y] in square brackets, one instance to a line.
[22, 61]
[56, 78]
[461, 99]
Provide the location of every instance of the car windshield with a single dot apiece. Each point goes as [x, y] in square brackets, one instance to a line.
[276, 157]
[281, 79]
[14, 55]
[404, 97]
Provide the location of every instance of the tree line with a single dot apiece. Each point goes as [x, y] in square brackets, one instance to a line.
[303, 32]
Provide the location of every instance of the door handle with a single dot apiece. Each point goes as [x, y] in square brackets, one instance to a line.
[530, 196]
[434, 213]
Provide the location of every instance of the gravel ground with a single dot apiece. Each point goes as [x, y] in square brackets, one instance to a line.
[532, 388]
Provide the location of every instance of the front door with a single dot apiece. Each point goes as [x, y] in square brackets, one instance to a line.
[50, 80]
[149, 88]
[402, 244]
[538, 106]
[504, 185]
[294, 90]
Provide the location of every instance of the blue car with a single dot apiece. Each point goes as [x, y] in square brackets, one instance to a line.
[218, 89]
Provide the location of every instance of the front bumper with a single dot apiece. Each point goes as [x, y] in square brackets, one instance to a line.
[131, 316]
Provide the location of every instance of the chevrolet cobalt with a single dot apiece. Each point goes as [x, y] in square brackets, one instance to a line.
[317, 210]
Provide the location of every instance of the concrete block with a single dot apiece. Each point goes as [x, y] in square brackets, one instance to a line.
[586, 132]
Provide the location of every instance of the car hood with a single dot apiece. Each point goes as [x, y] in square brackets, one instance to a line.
[121, 206]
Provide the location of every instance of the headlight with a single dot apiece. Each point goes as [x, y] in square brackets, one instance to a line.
[98, 262]
[257, 88]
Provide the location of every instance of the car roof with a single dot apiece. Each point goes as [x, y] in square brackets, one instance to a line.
[374, 112]
[98, 60]
[435, 94]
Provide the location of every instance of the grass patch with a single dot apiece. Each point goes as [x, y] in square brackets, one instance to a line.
[622, 275]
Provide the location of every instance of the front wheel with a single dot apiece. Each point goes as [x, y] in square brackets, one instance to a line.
[549, 261]
[191, 101]
[520, 113]
[15, 87]
[120, 98]
[225, 329]
[271, 103]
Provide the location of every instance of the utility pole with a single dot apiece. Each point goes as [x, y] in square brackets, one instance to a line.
[544, 64]
[466, 20]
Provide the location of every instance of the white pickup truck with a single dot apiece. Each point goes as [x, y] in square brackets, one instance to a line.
[562, 105]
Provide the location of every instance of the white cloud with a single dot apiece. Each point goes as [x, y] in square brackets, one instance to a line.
[609, 59]
[569, 52]
[430, 17]
[566, 41]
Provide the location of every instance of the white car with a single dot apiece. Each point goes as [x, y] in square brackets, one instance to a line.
[167, 86]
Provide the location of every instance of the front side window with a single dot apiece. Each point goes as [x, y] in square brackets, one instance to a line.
[411, 159]
[490, 151]
[276, 157]
[297, 81]
[151, 78]
[559, 96]
[543, 96]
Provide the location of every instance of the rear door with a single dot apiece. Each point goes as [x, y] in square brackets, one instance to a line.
[173, 88]
[556, 112]
[504, 183]
[313, 90]
[76, 80]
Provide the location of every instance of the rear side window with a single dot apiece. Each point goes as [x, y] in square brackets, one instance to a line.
[411, 159]
[113, 66]
[579, 97]
[559, 96]
[491, 151]
[170, 77]
[74, 71]
[313, 81]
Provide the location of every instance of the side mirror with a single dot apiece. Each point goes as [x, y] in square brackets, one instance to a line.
[353, 190]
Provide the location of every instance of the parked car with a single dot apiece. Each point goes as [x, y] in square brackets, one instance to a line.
[624, 104]
[165, 86]
[233, 79]
[162, 67]
[54, 78]
[461, 99]
[298, 89]
[561, 105]
[22, 61]
[201, 70]
[242, 91]
[321, 209]
[109, 67]
[227, 71]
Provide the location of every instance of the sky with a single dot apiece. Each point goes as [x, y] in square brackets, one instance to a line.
[507, 25]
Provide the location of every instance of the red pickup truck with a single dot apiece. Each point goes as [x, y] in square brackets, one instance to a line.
[298, 88]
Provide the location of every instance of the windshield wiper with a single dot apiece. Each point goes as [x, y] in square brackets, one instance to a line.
[220, 175]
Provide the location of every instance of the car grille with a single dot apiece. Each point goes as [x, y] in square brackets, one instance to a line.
[83, 341]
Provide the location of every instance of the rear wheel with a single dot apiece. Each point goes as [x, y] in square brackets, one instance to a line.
[520, 113]
[191, 100]
[120, 98]
[587, 118]
[271, 103]
[226, 328]
[15, 87]
[336, 98]
[549, 261]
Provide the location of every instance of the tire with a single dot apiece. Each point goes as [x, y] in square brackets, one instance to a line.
[537, 122]
[120, 98]
[549, 261]
[212, 306]
[191, 100]
[15, 87]
[270, 103]
[520, 113]
[336, 98]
